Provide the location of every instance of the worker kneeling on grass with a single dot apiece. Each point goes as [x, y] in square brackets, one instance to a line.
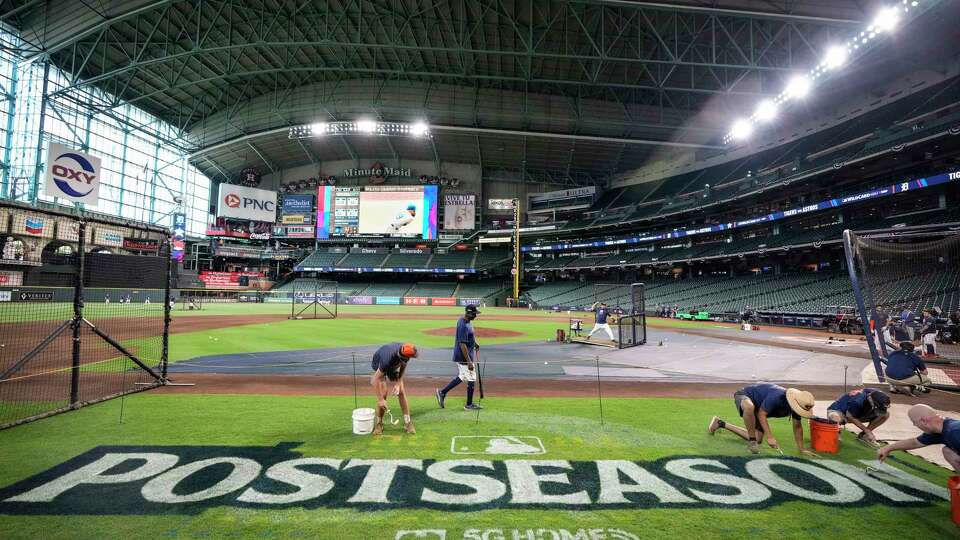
[906, 372]
[865, 408]
[390, 363]
[758, 402]
[936, 429]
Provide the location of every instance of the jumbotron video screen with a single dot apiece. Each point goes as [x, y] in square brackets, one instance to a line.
[377, 211]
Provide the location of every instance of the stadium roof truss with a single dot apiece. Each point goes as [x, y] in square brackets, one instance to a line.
[565, 91]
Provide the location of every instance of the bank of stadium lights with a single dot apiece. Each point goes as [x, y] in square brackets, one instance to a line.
[361, 127]
[835, 57]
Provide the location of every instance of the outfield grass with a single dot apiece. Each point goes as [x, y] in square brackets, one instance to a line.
[636, 429]
[342, 332]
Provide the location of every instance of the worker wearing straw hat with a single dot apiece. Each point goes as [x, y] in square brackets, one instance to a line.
[758, 402]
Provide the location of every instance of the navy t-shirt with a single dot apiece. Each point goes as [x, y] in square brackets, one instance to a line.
[950, 436]
[771, 398]
[465, 336]
[602, 315]
[854, 402]
[903, 365]
[387, 358]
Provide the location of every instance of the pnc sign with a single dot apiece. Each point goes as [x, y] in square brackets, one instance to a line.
[239, 202]
[72, 175]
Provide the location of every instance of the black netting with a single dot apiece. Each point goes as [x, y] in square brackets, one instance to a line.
[909, 285]
[100, 334]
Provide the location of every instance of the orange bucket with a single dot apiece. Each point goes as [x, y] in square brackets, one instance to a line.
[824, 436]
[953, 484]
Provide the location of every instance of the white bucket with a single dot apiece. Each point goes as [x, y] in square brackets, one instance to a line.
[747, 326]
[363, 421]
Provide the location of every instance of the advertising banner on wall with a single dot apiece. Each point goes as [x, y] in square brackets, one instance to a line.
[108, 236]
[300, 232]
[415, 301]
[252, 204]
[295, 219]
[298, 204]
[469, 301]
[11, 278]
[139, 244]
[388, 300]
[179, 236]
[500, 204]
[459, 211]
[443, 301]
[362, 300]
[72, 175]
[32, 225]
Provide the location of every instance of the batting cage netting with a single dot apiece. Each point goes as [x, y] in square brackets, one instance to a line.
[84, 311]
[309, 298]
[632, 326]
[906, 284]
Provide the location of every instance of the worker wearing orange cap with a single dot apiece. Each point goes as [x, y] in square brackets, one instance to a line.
[390, 363]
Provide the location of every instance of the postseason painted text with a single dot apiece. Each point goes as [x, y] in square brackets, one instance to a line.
[189, 479]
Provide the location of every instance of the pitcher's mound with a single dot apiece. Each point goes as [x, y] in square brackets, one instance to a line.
[480, 332]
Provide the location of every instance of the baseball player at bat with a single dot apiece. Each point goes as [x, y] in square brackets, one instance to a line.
[464, 355]
[390, 363]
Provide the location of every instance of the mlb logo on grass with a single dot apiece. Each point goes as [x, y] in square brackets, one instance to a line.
[72, 175]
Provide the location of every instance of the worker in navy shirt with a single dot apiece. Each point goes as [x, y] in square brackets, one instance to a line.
[904, 368]
[865, 408]
[601, 314]
[390, 363]
[758, 402]
[936, 429]
[464, 355]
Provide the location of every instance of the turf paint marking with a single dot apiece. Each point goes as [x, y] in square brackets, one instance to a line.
[497, 445]
[521, 534]
[140, 480]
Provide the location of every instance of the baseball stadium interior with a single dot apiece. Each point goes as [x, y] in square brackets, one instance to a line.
[210, 206]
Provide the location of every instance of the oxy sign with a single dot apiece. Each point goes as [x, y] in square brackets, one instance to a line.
[72, 175]
[252, 204]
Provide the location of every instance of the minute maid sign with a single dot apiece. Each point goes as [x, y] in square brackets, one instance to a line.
[188, 479]
[72, 175]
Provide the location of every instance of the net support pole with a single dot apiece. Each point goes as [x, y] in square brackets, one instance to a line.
[599, 389]
[354, 362]
[164, 354]
[865, 317]
[77, 313]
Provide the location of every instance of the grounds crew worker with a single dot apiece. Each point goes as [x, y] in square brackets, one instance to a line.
[936, 429]
[390, 362]
[464, 354]
[756, 403]
[865, 408]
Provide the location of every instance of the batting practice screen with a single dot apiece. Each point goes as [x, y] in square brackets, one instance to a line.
[632, 327]
[88, 319]
[906, 284]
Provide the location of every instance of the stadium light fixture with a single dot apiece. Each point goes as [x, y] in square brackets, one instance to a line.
[766, 111]
[360, 127]
[419, 129]
[798, 87]
[742, 129]
[836, 57]
[886, 20]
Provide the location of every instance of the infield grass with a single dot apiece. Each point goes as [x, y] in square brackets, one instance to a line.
[635, 429]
